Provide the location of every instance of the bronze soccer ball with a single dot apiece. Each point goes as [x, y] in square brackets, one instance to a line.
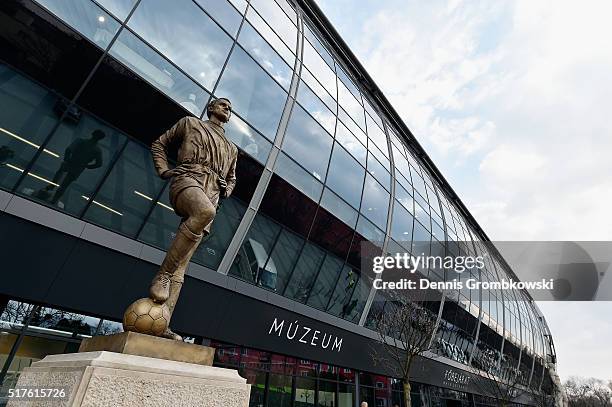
[146, 317]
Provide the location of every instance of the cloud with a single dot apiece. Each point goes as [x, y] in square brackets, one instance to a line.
[511, 101]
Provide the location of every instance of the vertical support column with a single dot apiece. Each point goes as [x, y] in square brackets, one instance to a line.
[266, 176]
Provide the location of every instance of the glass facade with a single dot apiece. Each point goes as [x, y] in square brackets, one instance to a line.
[74, 136]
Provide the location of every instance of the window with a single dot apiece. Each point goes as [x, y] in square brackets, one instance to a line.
[182, 32]
[254, 95]
[345, 176]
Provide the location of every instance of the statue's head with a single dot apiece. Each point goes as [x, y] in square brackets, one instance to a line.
[220, 108]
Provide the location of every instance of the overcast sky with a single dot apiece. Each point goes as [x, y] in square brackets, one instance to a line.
[512, 102]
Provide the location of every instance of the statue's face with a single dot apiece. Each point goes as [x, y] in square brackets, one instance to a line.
[222, 110]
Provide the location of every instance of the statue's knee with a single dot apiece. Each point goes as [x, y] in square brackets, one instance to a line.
[203, 217]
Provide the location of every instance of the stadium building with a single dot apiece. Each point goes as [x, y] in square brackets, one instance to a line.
[325, 163]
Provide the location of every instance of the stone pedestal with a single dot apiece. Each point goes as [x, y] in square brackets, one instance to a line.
[102, 378]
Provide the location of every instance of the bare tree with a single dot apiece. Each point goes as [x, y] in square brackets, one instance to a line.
[583, 392]
[500, 378]
[405, 330]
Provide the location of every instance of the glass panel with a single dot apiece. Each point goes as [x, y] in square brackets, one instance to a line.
[318, 89]
[298, 177]
[213, 247]
[340, 301]
[401, 225]
[161, 226]
[325, 283]
[143, 60]
[339, 208]
[375, 202]
[254, 95]
[327, 394]
[314, 41]
[265, 55]
[352, 310]
[308, 143]
[223, 13]
[251, 263]
[378, 136]
[373, 115]
[346, 394]
[86, 149]
[304, 273]
[247, 139]
[270, 36]
[278, 20]
[304, 392]
[279, 391]
[351, 105]
[379, 172]
[183, 33]
[319, 69]
[85, 17]
[345, 176]
[348, 83]
[404, 197]
[27, 117]
[316, 108]
[130, 188]
[351, 143]
[350, 124]
[120, 8]
[257, 380]
[288, 10]
[283, 258]
[240, 5]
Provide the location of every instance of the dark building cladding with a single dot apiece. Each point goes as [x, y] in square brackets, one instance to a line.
[325, 163]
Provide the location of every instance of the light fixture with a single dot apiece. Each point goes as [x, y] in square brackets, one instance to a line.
[102, 205]
[151, 199]
[101, 19]
[31, 174]
[27, 142]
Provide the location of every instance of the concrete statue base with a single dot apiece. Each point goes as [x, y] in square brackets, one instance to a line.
[103, 378]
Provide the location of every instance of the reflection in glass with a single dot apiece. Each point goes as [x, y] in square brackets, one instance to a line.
[340, 302]
[160, 229]
[401, 225]
[85, 17]
[318, 89]
[379, 172]
[130, 188]
[265, 55]
[304, 273]
[319, 69]
[183, 33]
[345, 176]
[351, 143]
[375, 202]
[252, 262]
[273, 39]
[325, 282]
[279, 390]
[298, 177]
[119, 8]
[223, 13]
[278, 20]
[284, 255]
[309, 101]
[254, 95]
[327, 394]
[304, 392]
[24, 123]
[247, 139]
[308, 143]
[351, 105]
[87, 149]
[339, 208]
[377, 136]
[143, 60]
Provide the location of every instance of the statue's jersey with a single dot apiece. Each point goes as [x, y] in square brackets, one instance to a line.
[204, 156]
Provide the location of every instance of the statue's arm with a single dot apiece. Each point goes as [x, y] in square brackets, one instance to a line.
[159, 148]
[231, 176]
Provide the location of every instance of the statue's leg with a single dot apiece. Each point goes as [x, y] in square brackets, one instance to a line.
[198, 212]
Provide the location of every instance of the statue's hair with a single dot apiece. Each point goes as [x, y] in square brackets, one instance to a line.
[212, 103]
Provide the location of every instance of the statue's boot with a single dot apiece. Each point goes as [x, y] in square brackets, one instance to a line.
[175, 290]
[175, 263]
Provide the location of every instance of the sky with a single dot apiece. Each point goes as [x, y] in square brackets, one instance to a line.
[510, 100]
